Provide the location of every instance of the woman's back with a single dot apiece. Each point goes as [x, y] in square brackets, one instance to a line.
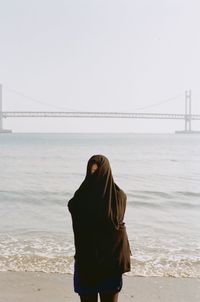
[97, 209]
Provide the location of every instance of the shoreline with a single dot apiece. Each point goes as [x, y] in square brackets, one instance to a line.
[51, 287]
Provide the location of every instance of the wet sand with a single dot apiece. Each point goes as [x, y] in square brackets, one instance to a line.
[43, 287]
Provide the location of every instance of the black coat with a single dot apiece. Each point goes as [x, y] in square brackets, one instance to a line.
[97, 208]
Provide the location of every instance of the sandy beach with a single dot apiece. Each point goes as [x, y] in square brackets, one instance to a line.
[43, 287]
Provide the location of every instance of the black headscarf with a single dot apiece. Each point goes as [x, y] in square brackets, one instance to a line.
[97, 210]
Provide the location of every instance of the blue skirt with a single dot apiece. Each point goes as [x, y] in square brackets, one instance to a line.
[111, 284]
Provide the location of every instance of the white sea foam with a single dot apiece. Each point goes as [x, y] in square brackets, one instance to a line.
[154, 267]
[54, 255]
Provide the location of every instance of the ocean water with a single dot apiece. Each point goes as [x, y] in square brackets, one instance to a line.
[160, 174]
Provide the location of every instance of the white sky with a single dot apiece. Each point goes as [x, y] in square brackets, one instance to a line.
[99, 55]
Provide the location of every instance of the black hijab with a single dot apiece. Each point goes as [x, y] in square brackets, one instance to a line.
[97, 210]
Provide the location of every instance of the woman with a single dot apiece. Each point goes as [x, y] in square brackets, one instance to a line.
[102, 251]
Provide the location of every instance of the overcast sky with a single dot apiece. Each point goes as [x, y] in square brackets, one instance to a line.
[99, 55]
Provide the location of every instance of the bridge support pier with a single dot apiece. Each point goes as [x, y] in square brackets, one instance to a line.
[1, 114]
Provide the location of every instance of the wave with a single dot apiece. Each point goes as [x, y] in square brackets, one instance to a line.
[32, 197]
[35, 193]
[135, 193]
[158, 199]
[42, 252]
[64, 265]
[168, 195]
[143, 199]
[166, 267]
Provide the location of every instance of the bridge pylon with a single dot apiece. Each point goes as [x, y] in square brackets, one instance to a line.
[1, 114]
[188, 114]
[188, 110]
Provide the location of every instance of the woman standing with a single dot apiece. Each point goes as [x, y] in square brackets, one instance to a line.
[102, 251]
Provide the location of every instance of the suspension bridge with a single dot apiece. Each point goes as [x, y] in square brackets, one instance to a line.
[187, 117]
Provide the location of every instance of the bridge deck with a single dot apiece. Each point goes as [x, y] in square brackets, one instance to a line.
[8, 114]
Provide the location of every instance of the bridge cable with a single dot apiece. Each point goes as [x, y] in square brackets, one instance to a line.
[75, 110]
[36, 100]
[158, 103]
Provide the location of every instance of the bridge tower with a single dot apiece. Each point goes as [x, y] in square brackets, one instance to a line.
[188, 114]
[188, 111]
[1, 114]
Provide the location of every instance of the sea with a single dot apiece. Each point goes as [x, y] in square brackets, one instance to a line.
[160, 173]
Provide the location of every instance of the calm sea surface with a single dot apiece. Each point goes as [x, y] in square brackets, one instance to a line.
[159, 172]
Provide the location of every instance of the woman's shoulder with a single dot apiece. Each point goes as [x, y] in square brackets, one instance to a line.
[120, 192]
